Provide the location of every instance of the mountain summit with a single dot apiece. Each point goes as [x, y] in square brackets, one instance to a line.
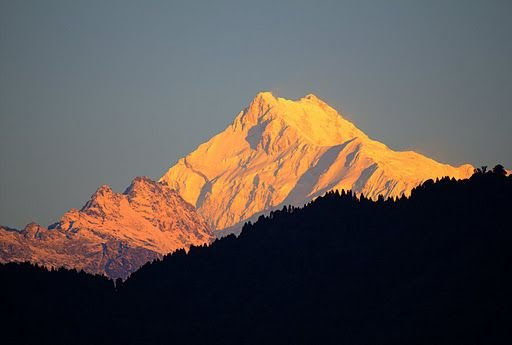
[113, 234]
[279, 151]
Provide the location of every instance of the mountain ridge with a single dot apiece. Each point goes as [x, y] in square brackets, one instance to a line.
[279, 151]
[432, 268]
[113, 233]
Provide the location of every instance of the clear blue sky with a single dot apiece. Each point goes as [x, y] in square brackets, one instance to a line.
[98, 92]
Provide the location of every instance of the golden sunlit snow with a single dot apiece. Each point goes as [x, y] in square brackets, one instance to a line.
[279, 151]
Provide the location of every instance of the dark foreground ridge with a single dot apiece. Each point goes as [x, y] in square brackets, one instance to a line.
[431, 269]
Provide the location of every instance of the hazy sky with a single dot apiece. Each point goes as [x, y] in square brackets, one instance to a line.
[99, 92]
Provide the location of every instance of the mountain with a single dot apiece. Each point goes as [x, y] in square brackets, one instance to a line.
[433, 268]
[113, 234]
[278, 151]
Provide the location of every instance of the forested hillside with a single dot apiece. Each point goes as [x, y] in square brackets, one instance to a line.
[430, 269]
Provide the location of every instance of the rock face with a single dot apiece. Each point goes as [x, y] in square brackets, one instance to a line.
[113, 234]
[279, 151]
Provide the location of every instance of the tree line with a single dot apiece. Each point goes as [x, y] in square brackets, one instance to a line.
[432, 268]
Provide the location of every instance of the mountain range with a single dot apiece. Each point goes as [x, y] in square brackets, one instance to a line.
[113, 234]
[276, 152]
[433, 268]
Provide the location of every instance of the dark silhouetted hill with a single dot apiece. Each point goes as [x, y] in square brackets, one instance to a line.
[430, 269]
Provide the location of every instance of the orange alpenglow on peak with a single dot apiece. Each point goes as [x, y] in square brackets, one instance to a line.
[264, 96]
[279, 151]
[312, 97]
[113, 234]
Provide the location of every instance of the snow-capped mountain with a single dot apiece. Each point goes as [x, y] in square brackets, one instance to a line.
[276, 152]
[279, 151]
[113, 234]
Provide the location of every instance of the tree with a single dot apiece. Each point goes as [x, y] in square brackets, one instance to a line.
[482, 170]
[499, 170]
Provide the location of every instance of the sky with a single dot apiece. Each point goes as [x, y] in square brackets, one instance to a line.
[98, 92]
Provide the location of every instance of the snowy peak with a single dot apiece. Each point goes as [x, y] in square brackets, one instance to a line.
[145, 210]
[279, 151]
[114, 233]
[144, 185]
[264, 97]
[257, 109]
[311, 97]
[34, 230]
[308, 119]
[143, 189]
[102, 197]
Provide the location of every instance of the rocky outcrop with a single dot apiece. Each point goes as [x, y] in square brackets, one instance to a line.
[113, 234]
